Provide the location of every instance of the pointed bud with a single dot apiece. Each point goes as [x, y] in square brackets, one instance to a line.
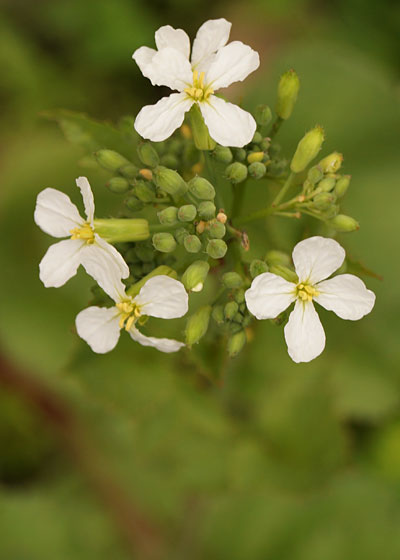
[147, 154]
[134, 203]
[307, 149]
[327, 184]
[197, 325]
[164, 242]
[232, 280]
[288, 88]
[195, 275]
[168, 215]
[257, 170]
[118, 230]
[258, 267]
[129, 171]
[169, 181]
[118, 185]
[285, 272]
[331, 163]
[323, 201]
[216, 248]
[201, 188]
[315, 174]
[255, 156]
[218, 314]
[201, 136]
[236, 343]
[207, 210]
[277, 257]
[343, 223]
[236, 172]
[230, 310]
[342, 185]
[222, 154]
[110, 160]
[216, 230]
[187, 213]
[263, 115]
[145, 191]
[192, 243]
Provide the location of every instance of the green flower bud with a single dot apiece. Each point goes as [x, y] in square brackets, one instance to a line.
[255, 156]
[257, 170]
[110, 160]
[118, 185]
[201, 136]
[236, 343]
[239, 296]
[343, 223]
[315, 174]
[288, 88]
[216, 248]
[239, 154]
[137, 270]
[222, 154]
[236, 172]
[246, 320]
[332, 211]
[131, 257]
[147, 154]
[218, 314]
[169, 181]
[307, 149]
[129, 171]
[187, 213]
[195, 275]
[180, 234]
[277, 167]
[197, 325]
[323, 201]
[164, 242]
[118, 230]
[277, 257]
[238, 318]
[192, 244]
[207, 210]
[134, 203]
[145, 191]
[159, 147]
[144, 252]
[170, 160]
[263, 115]
[327, 184]
[265, 144]
[201, 188]
[230, 310]
[331, 163]
[232, 280]
[286, 273]
[217, 230]
[342, 185]
[257, 138]
[168, 215]
[147, 267]
[258, 267]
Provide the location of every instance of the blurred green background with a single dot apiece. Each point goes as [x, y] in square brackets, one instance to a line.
[284, 461]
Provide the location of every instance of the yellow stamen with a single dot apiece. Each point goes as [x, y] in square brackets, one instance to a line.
[130, 313]
[198, 91]
[306, 292]
[85, 232]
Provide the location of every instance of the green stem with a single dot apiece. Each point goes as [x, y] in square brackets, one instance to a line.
[155, 228]
[275, 127]
[238, 192]
[213, 178]
[286, 186]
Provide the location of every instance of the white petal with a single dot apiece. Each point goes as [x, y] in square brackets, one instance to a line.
[177, 39]
[103, 262]
[211, 36]
[163, 344]
[232, 63]
[143, 58]
[304, 333]
[87, 196]
[56, 214]
[163, 297]
[60, 262]
[346, 295]
[228, 124]
[171, 68]
[157, 122]
[316, 258]
[99, 327]
[269, 295]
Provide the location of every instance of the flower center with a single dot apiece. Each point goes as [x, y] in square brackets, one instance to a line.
[129, 312]
[85, 232]
[306, 292]
[198, 91]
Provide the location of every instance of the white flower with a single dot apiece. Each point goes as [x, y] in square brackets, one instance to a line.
[346, 295]
[161, 296]
[213, 65]
[56, 215]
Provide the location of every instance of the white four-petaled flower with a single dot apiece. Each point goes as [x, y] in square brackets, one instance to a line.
[56, 215]
[315, 259]
[161, 296]
[213, 65]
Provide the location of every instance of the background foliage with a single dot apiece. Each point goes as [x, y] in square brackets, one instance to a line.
[280, 461]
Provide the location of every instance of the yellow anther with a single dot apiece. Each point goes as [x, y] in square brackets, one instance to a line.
[85, 233]
[198, 91]
[130, 312]
[306, 292]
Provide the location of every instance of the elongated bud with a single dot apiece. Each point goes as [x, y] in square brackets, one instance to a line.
[201, 136]
[323, 200]
[168, 215]
[222, 154]
[342, 185]
[201, 188]
[110, 160]
[197, 325]
[263, 115]
[129, 171]
[162, 270]
[216, 248]
[277, 257]
[118, 230]
[315, 174]
[118, 185]
[187, 213]
[288, 88]
[217, 230]
[164, 242]
[206, 210]
[230, 310]
[134, 203]
[236, 172]
[145, 191]
[218, 314]
[232, 280]
[344, 223]
[331, 163]
[255, 156]
[327, 184]
[192, 243]
[236, 343]
[169, 181]
[195, 275]
[284, 271]
[307, 149]
[147, 154]
[258, 267]
[257, 170]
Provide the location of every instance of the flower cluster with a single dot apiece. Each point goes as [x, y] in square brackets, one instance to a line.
[174, 222]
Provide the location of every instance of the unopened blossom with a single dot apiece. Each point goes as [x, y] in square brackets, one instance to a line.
[315, 259]
[161, 296]
[213, 65]
[56, 215]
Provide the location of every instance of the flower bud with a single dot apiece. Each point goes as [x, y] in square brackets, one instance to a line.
[327, 184]
[222, 217]
[170, 160]
[180, 234]
[217, 230]
[236, 343]
[222, 154]
[265, 144]
[257, 170]
[187, 213]
[170, 181]
[342, 185]
[239, 296]
[206, 210]
[168, 215]
[144, 252]
[145, 191]
[343, 223]
[331, 163]
[201, 188]
[110, 160]
[218, 314]
[323, 201]
[257, 267]
[230, 310]
[147, 154]
[164, 242]
[146, 174]
[255, 156]
[195, 275]
[129, 171]
[239, 154]
[118, 230]
[277, 257]
[288, 88]
[257, 138]
[216, 248]
[285, 272]
[118, 185]
[133, 203]
[236, 172]
[315, 174]
[263, 115]
[192, 243]
[307, 149]
[232, 280]
[197, 325]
